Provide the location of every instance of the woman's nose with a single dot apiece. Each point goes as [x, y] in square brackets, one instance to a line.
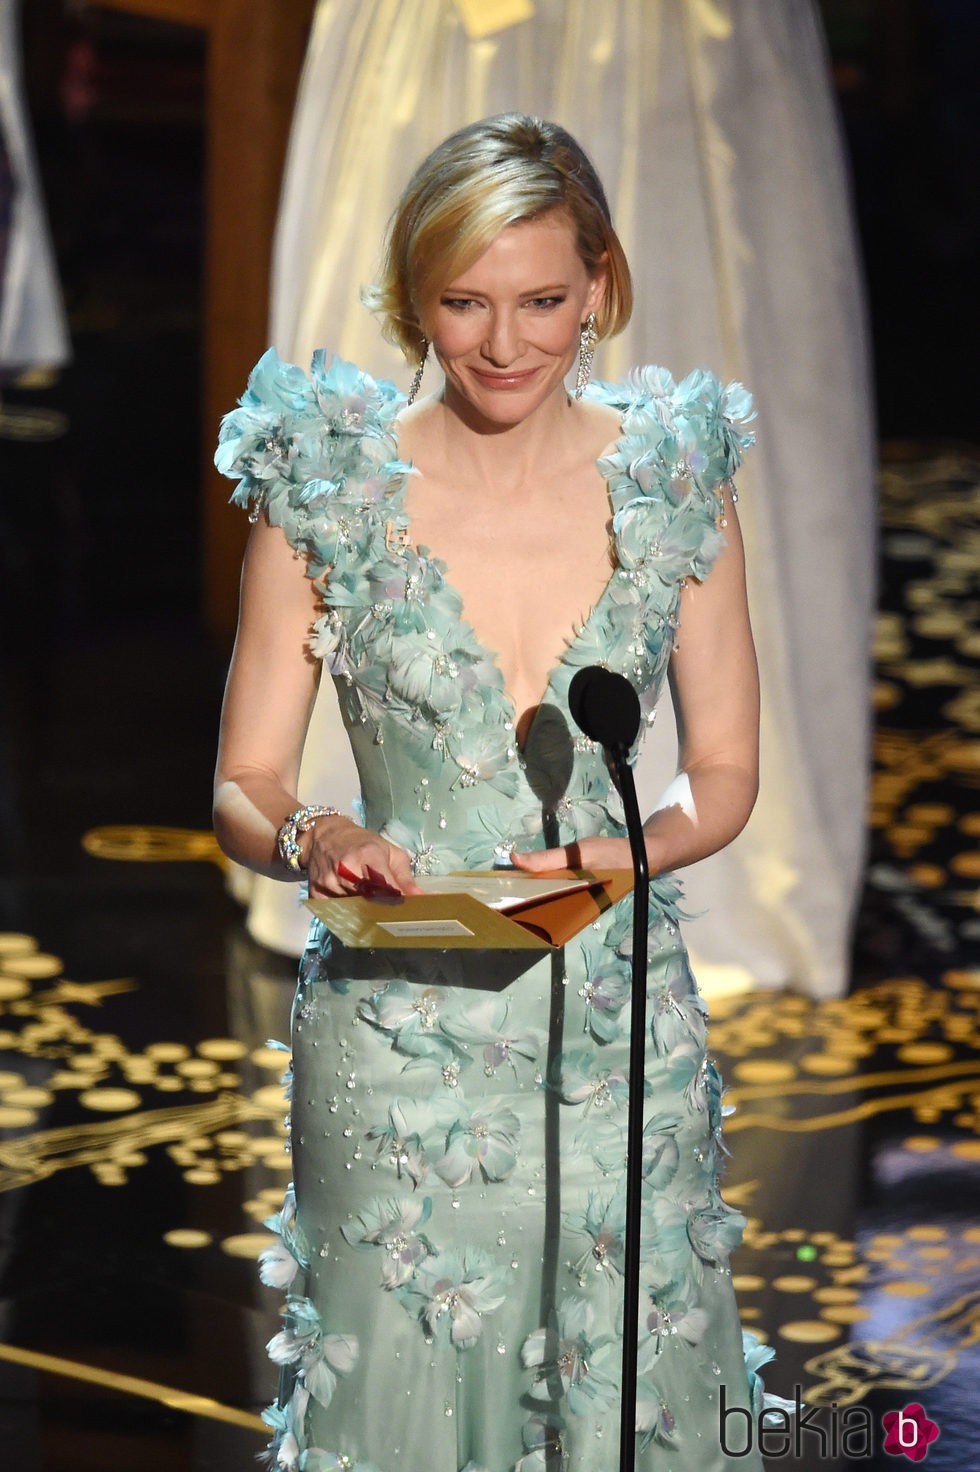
[503, 341]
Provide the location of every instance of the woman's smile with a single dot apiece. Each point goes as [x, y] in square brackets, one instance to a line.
[495, 380]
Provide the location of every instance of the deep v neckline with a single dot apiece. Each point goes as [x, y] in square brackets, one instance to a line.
[396, 499]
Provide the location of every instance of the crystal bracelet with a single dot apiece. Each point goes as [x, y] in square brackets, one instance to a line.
[287, 839]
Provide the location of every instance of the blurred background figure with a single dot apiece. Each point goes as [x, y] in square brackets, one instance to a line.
[713, 125]
[33, 331]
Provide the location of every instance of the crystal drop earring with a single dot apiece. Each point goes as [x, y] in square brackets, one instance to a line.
[586, 352]
[417, 380]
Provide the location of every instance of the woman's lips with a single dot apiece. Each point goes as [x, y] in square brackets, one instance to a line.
[504, 380]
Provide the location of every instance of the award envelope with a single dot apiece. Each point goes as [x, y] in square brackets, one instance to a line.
[462, 922]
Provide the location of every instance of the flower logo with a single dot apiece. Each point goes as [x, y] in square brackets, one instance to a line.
[910, 1433]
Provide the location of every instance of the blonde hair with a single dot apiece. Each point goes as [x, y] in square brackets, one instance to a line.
[492, 174]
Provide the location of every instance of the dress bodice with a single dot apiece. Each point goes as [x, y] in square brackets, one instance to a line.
[424, 703]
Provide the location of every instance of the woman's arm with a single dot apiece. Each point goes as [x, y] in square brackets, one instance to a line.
[271, 687]
[715, 685]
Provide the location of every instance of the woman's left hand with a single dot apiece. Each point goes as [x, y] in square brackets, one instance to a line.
[585, 853]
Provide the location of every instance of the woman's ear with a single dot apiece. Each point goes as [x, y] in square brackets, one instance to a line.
[598, 285]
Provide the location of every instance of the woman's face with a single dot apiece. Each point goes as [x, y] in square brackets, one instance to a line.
[506, 331]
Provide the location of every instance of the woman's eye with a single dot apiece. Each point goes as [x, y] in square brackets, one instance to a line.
[546, 303]
[457, 303]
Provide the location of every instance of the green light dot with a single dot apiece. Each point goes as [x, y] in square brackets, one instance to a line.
[806, 1253]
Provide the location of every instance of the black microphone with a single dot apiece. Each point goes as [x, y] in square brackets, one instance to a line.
[605, 706]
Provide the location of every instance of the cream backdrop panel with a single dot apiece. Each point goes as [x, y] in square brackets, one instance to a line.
[713, 128]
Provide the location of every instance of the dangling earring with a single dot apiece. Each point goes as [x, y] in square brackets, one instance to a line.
[586, 352]
[417, 380]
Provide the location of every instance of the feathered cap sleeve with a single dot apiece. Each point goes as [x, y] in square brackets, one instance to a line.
[681, 443]
[311, 451]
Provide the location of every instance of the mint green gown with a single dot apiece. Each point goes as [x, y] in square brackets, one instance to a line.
[452, 1248]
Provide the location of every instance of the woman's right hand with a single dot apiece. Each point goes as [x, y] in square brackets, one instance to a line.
[342, 858]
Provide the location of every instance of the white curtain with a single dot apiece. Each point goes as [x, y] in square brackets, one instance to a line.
[33, 333]
[713, 128]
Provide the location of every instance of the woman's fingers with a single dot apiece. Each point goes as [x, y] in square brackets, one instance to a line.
[585, 853]
[401, 870]
[371, 883]
[540, 861]
[355, 861]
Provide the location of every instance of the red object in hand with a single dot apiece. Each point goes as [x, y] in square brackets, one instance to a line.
[381, 885]
[375, 886]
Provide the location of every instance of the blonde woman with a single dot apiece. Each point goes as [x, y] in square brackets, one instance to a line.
[453, 1249]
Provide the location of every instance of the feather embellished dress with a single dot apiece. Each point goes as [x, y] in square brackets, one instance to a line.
[452, 1247]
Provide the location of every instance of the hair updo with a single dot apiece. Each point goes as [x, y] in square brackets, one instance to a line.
[491, 174]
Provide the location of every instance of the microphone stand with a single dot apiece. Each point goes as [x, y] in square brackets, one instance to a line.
[623, 776]
[607, 709]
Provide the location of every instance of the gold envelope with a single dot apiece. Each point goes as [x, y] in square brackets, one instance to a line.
[462, 922]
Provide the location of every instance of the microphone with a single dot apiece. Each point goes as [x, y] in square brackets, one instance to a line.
[605, 706]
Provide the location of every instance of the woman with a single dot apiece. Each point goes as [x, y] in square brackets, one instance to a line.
[714, 130]
[453, 1252]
